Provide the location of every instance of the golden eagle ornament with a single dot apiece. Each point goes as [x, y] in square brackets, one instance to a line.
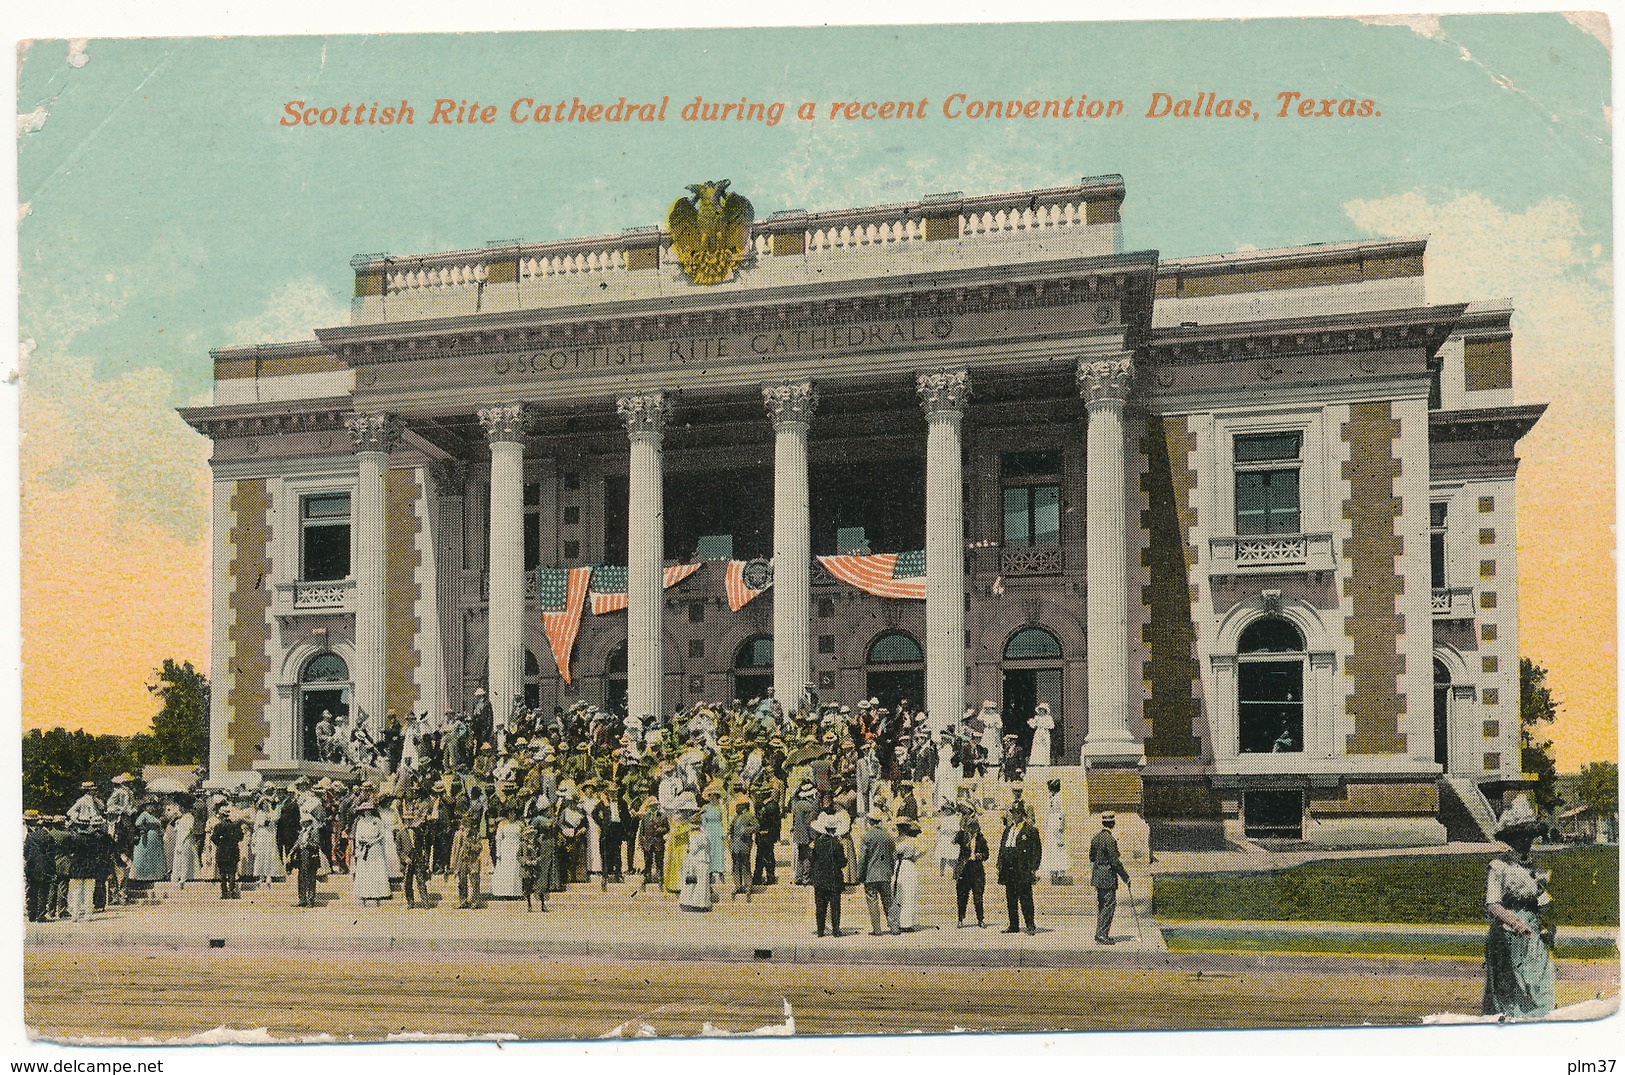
[710, 231]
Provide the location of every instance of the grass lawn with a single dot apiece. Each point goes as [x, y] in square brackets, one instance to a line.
[1198, 940]
[1408, 888]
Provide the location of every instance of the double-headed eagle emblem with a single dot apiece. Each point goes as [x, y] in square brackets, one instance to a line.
[710, 231]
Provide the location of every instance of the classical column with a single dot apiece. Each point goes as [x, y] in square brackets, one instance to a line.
[645, 419]
[373, 436]
[791, 406]
[943, 394]
[505, 425]
[1104, 384]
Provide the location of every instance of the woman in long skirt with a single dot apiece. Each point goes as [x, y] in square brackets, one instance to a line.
[695, 895]
[946, 850]
[506, 882]
[147, 862]
[542, 859]
[1519, 979]
[712, 820]
[369, 868]
[185, 866]
[1056, 861]
[906, 886]
[685, 811]
[392, 836]
[267, 858]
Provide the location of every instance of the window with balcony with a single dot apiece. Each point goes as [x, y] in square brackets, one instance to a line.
[324, 537]
[1267, 471]
[1032, 498]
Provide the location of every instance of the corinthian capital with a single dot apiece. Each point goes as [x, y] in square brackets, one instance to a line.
[645, 414]
[792, 401]
[505, 422]
[943, 391]
[1105, 379]
[373, 431]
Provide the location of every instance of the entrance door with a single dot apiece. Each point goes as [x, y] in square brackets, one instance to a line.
[1024, 688]
[312, 702]
[893, 686]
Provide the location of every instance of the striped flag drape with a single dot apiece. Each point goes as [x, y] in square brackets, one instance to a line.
[609, 584]
[740, 595]
[562, 591]
[884, 574]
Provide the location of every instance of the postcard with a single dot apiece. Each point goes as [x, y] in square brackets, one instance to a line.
[795, 532]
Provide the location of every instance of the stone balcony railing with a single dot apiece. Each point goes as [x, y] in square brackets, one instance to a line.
[1031, 560]
[334, 595]
[790, 233]
[1453, 603]
[1271, 554]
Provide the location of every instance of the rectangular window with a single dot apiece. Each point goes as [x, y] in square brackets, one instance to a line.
[1437, 515]
[1490, 696]
[572, 550]
[533, 540]
[826, 643]
[1492, 729]
[324, 553]
[572, 516]
[1032, 497]
[1488, 632]
[696, 648]
[1267, 466]
[1492, 762]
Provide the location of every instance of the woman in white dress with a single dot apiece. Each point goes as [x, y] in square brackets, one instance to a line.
[184, 866]
[267, 860]
[695, 872]
[946, 851]
[906, 884]
[1042, 723]
[369, 868]
[392, 837]
[507, 880]
[1057, 859]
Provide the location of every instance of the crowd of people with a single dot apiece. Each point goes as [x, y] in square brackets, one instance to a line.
[693, 805]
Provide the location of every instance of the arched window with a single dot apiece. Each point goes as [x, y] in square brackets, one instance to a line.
[325, 668]
[533, 681]
[1269, 687]
[1031, 642]
[1441, 713]
[895, 647]
[755, 653]
[615, 680]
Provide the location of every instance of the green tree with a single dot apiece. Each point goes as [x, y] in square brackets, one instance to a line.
[1599, 787]
[1536, 711]
[56, 762]
[180, 730]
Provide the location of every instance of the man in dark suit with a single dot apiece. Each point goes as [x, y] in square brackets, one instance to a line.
[1019, 852]
[1105, 867]
[227, 836]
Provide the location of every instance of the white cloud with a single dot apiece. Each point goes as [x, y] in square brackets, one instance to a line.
[294, 311]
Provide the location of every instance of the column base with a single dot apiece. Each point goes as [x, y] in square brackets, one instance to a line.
[1112, 754]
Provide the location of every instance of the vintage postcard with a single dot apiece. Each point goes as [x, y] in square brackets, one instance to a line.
[818, 531]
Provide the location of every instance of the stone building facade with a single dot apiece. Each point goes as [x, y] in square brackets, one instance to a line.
[1246, 522]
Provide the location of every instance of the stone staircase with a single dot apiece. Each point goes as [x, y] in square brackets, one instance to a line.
[1465, 812]
[789, 902]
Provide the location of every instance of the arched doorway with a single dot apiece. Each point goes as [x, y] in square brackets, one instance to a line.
[753, 668]
[615, 680]
[1033, 674]
[324, 686]
[896, 670]
[1269, 687]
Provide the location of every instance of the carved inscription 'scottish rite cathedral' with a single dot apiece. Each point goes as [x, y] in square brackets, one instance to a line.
[1245, 522]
